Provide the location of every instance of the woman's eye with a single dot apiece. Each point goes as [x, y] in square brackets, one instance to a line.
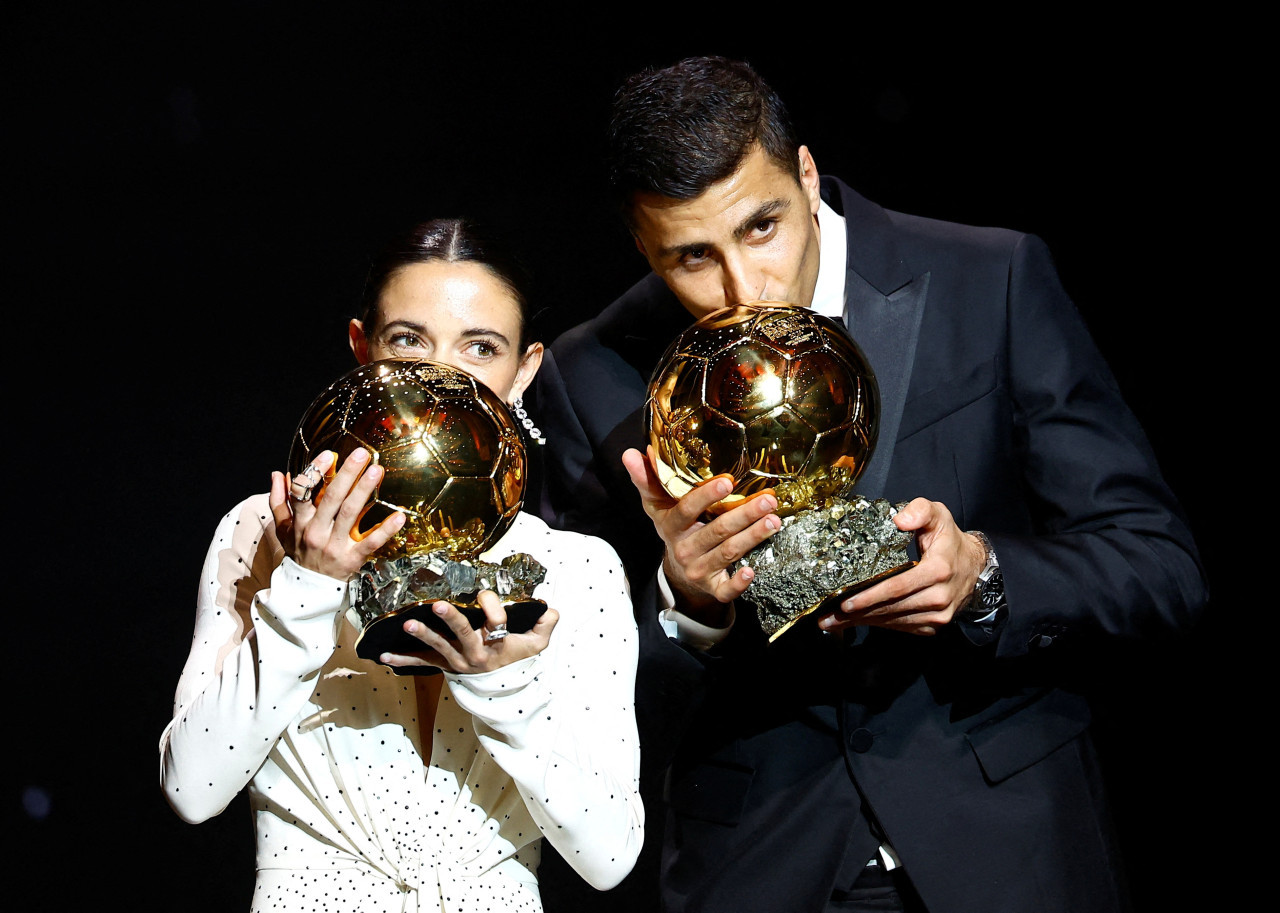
[405, 342]
[483, 349]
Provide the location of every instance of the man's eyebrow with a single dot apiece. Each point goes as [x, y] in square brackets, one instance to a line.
[765, 210]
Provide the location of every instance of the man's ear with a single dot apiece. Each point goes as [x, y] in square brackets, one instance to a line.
[640, 246]
[808, 177]
[355, 338]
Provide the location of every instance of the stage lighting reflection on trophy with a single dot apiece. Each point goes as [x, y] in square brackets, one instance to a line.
[780, 398]
[454, 463]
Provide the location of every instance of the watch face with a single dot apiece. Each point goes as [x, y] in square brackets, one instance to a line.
[992, 592]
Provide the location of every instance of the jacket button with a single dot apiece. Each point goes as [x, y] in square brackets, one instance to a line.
[860, 740]
[1043, 640]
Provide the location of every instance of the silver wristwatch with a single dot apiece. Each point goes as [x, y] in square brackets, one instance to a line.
[988, 593]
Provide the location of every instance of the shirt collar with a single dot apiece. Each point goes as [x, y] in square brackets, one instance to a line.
[833, 253]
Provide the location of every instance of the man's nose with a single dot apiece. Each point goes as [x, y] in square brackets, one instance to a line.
[741, 283]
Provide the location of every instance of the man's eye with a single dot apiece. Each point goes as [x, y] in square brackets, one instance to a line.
[765, 226]
[696, 255]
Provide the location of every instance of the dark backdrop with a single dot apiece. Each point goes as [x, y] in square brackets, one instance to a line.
[195, 187]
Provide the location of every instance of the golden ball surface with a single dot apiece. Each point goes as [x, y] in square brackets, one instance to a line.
[773, 395]
[453, 457]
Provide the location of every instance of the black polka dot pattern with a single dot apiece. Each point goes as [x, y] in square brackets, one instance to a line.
[347, 815]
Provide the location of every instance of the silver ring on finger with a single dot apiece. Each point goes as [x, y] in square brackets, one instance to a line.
[499, 631]
[311, 472]
[301, 489]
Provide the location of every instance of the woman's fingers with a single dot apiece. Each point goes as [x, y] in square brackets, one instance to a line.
[324, 533]
[279, 501]
[381, 534]
[545, 624]
[442, 651]
[495, 616]
[331, 499]
[406, 660]
[306, 486]
[473, 650]
[353, 504]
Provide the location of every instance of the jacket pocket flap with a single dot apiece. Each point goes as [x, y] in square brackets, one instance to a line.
[1006, 746]
[711, 792]
[936, 403]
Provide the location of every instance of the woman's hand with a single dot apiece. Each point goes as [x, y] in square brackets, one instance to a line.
[321, 532]
[474, 649]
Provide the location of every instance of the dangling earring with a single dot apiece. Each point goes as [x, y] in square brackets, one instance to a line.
[517, 409]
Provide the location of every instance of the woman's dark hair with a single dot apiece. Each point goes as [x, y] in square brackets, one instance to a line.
[448, 241]
[676, 131]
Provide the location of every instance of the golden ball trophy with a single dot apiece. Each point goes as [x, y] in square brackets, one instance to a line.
[780, 399]
[454, 462]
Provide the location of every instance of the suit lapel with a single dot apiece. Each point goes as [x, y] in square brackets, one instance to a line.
[884, 305]
[886, 328]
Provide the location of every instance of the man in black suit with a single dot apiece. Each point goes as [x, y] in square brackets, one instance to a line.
[925, 746]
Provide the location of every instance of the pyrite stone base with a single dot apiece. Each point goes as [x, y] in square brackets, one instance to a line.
[387, 592]
[821, 556]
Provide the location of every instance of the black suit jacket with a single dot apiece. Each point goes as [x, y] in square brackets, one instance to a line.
[786, 763]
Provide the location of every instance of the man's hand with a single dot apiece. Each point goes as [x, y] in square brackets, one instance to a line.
[698, 555]
[924, 598]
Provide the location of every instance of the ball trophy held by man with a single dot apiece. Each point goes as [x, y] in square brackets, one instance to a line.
[780, 399]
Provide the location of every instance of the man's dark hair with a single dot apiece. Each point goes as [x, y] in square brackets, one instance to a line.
[676, 131]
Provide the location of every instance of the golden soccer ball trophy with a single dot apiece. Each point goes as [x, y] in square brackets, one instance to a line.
[454, 462]
[779, 398]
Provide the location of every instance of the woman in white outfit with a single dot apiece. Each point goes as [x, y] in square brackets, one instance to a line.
[376, 791]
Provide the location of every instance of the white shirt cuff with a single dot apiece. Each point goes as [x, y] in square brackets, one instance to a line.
[681, 627]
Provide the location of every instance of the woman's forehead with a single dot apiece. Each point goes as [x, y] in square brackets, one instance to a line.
[439, 292]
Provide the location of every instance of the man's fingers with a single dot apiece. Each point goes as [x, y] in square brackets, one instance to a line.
[910, 622]
[641, 472]
[708, 559]
[736, 532]
[689, 508]
[731, 588]
[887, 592]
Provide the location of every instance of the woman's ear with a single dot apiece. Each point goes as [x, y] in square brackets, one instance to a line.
[529, 364]
[356, 339]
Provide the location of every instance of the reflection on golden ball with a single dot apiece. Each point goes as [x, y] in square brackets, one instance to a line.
[770, 393]
[453, 457]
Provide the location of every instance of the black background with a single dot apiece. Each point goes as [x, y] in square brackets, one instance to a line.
[193, 192]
